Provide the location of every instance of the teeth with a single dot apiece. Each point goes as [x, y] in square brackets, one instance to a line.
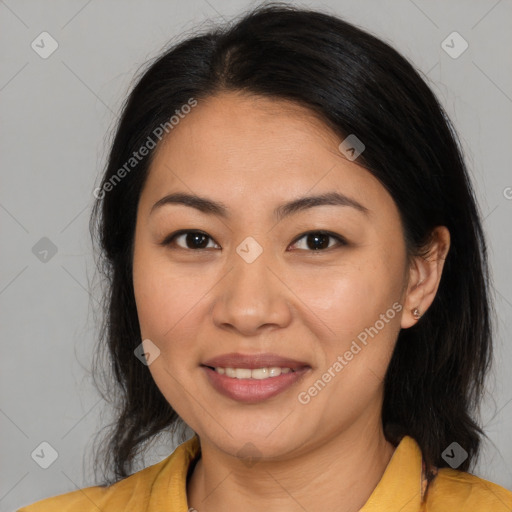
[230, 372]
[257, 373]
[243, 373]
[260, 373]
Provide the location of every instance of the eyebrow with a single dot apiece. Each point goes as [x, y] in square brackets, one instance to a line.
[211, 207]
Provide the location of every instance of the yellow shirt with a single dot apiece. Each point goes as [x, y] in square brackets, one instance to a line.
[162, 487]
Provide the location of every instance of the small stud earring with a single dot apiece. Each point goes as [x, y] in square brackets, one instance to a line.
[416, 313]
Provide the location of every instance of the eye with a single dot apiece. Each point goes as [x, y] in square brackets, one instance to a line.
[198, 240]
[318, 240]
[192, 240]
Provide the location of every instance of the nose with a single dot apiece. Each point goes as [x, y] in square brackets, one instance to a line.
[252, 298]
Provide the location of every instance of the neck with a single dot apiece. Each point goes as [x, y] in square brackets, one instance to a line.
[338, 474]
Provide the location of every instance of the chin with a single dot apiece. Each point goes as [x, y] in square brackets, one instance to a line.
[256, 443]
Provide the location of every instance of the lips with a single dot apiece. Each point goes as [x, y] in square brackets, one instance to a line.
[253, 390]
[253, 361]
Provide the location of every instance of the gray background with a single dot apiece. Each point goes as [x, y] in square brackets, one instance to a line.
[56, 115]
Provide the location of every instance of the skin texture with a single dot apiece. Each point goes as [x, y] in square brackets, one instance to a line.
[252, 154]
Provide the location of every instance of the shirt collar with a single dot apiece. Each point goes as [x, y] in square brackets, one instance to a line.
[400, 487]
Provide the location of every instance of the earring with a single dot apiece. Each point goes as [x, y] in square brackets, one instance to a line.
[416, 313]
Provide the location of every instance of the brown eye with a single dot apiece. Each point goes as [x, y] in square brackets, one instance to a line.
[191, 240]
[319, 240]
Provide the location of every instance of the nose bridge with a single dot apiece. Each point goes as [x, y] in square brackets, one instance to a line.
[251, 270]
[251, 295]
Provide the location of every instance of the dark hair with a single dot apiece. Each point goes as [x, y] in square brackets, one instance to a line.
[359, 85]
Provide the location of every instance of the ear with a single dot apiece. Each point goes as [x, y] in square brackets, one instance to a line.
[425, 276]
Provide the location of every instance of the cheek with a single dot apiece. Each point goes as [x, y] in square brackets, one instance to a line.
[166, 309]
[359, 306]
[351, 296]
[165, 300]
[360, 312]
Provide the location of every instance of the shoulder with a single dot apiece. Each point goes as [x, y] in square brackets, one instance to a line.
[460, 491]
[142, 491]
[113, 497]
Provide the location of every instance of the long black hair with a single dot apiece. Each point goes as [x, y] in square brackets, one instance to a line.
[358, 85]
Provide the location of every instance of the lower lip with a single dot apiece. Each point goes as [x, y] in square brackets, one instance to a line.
[253, 390]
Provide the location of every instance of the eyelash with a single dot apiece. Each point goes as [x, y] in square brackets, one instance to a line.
[341, 241]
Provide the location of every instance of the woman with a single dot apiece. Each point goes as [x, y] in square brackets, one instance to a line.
[297, 271]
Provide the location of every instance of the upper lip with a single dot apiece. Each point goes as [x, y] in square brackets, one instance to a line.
[252, 361]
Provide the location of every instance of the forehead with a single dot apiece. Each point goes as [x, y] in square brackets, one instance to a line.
[234, 122]
[239, 146]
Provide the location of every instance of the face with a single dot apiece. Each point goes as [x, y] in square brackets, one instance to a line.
[317, 287]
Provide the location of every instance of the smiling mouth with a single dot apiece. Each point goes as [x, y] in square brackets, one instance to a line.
[253, 378]
[254, 385]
